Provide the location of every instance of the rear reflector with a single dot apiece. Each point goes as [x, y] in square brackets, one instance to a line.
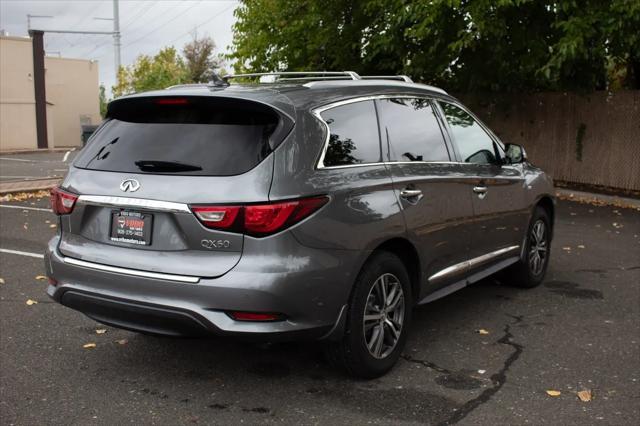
[258, 219]
[62, 202]
[255, 316]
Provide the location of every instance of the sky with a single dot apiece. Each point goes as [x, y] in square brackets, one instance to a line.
[146, 26]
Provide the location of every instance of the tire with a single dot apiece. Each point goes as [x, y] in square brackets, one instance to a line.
[352, 353]
[529, 272]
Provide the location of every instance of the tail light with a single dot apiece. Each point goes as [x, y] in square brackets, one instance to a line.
[258, 219]
[62, 202]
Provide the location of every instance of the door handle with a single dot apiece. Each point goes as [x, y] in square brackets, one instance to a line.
[481, 191]
[411, 195]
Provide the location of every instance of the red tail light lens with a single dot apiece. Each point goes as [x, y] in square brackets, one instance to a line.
[258, 219]
[172, 101]
[62, 202]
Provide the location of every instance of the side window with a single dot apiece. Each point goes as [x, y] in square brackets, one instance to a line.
[412, 130]
[474, 144]
[353, 137]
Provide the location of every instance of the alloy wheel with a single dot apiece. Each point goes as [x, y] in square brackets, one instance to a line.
[383, 316]
[538, 247]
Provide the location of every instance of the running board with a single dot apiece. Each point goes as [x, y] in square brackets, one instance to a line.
[475, 277]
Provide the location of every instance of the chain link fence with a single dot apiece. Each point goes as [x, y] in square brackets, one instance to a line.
[591, 139]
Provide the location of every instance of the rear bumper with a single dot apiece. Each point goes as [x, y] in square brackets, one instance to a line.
[310, 287]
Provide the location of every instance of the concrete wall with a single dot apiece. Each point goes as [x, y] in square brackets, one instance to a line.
[17, 99]
[72, 87]
[72, 94]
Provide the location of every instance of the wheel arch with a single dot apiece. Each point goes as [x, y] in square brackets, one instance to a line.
[408, 254]
[546, 202]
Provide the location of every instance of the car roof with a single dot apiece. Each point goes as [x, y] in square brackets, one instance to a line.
[290, 96]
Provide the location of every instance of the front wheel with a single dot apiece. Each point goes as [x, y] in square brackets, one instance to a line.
[530, 270]
[378, 319]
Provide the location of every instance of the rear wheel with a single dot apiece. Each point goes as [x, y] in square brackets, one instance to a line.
[531, 268]
[378, 319]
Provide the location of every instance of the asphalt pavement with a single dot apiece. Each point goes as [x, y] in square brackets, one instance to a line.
[35, 165]
[578, 331]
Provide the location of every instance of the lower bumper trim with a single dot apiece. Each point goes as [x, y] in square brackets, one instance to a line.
[134, 272]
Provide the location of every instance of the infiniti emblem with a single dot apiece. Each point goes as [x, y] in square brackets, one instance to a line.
[130, 185]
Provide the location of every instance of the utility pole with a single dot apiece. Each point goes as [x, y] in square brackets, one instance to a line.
[29, 16]
[116, 35]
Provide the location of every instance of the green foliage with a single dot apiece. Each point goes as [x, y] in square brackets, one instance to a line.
[164, 69]
[465, 45]
[200, 60]
[103, 101]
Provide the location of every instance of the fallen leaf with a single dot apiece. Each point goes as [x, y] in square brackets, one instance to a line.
[482, 331]
[41, 277]
[32, 302]
[122, 341]
[101, 330]
[53, 225]
[553, 393]
[89, 345]
[585, 395]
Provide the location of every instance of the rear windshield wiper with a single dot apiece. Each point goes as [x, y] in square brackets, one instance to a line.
[166, 166]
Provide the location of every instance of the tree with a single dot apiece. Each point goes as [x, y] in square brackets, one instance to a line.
[465, 45]
[164, 69]
[200, 60]
[103, 101]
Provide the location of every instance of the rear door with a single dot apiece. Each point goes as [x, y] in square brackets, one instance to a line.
[436, 204]
[498, 191]
[150, 163]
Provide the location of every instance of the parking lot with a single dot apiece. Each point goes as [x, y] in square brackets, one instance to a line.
[579, 331]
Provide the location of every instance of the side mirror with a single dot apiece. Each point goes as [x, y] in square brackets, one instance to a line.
[515, 154]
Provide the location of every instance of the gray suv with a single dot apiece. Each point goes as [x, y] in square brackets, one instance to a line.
[319, 205]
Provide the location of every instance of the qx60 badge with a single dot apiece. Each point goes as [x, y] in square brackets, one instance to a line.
[130, 185]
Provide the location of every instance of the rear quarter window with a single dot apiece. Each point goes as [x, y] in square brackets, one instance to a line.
[353, 134]
[186, 136]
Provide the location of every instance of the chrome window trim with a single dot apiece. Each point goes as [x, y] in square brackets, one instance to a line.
[142, 203]
[459, 267]
[319, 110]
[134, 272]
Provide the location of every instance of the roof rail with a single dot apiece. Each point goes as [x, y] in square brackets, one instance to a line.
[404, 78]
[187, 85]
[298, 75]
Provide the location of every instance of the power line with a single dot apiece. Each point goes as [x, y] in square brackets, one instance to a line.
[141, 12]
[163, 25]
[199, 25]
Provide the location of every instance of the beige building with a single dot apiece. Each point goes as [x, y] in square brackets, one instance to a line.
[71, 93]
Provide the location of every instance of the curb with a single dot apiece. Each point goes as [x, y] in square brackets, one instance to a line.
[28, 186]
[597, 199]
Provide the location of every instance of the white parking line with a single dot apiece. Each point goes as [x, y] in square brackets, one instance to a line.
[66, 155]
[8, 206]
[18, 159]
[22, 253]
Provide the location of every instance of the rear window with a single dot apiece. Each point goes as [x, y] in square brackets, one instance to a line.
[186, 136]
[412, 130]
